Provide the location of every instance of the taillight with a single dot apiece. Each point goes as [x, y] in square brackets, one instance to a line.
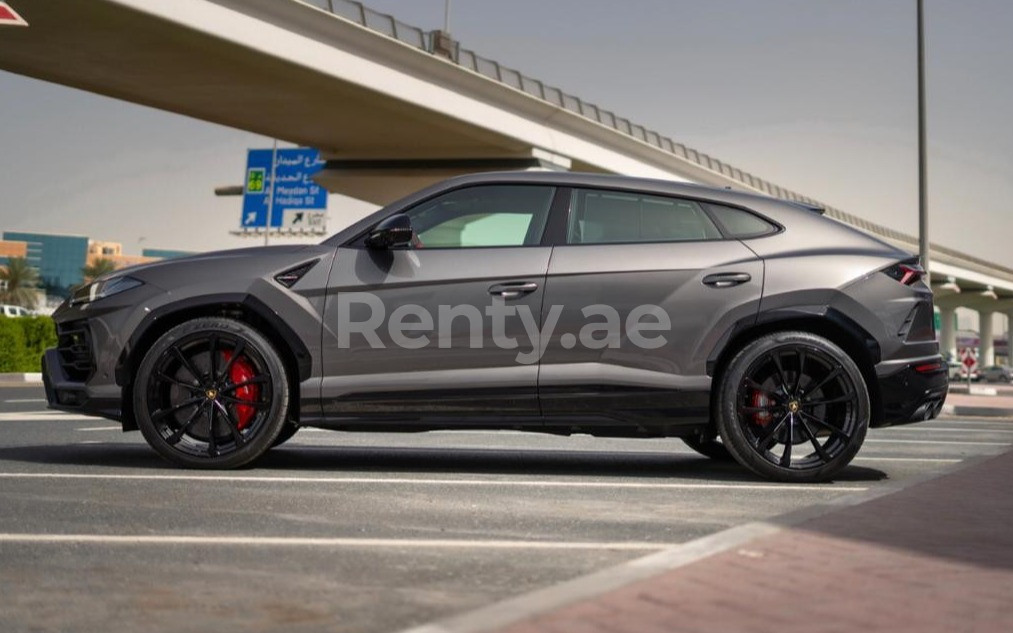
[929, 368]
[907, 273]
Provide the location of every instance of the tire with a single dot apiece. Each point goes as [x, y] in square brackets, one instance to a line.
[709, 447]
[288, 431]
[787, 390]
[197, 420]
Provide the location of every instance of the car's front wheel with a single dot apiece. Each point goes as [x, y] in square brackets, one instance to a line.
[793, 406]
[211, 393]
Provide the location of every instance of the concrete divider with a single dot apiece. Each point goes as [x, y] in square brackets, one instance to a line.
[31, 378]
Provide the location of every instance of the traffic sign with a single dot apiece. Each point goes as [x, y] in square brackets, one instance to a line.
[10, 17]
[968, 360]
[299, 202]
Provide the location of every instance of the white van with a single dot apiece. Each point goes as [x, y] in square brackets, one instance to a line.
[13, 311]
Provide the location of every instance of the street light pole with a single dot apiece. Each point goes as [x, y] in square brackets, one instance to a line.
[923, 202]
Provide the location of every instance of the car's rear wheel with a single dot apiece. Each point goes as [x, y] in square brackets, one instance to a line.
[211, 393]
[793, 406]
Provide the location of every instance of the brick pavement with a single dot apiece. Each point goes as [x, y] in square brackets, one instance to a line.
[936, 557]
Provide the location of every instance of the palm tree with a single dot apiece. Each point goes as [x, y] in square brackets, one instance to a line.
[97, 268]
[20, 283]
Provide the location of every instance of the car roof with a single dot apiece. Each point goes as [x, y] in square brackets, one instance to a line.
[612, 181]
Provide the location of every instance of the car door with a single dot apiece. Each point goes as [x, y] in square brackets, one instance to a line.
[640, 291]
[443, 328]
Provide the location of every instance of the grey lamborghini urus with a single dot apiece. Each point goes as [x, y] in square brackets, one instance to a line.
[755, 329]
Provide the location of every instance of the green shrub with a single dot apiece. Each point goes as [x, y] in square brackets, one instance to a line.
[12, 346]
[40, 335]
[22, 342]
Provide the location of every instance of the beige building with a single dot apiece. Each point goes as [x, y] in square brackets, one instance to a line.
[113, 251]
[13, 249]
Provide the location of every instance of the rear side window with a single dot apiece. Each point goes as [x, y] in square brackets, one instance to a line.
[607, 217]
[739, 223]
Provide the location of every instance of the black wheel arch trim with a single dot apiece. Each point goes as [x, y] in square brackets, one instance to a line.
[792, 317]
[301, 354]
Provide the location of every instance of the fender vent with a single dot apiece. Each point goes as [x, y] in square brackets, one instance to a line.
[291, 276]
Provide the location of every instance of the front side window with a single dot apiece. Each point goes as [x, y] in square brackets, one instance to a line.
[490, 215]
[607, 217]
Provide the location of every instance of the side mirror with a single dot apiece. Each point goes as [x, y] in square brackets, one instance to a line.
[394, 231]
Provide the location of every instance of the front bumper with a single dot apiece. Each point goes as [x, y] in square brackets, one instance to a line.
[65, 394]
[80, 373]
[914, 393]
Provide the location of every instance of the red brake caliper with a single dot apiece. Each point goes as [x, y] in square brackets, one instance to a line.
[242, 371]
[760, 400]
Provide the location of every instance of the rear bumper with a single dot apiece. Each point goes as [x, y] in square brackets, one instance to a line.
[65, 394]
[914, 392]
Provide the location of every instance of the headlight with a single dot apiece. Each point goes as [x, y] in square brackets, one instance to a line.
[103, 288]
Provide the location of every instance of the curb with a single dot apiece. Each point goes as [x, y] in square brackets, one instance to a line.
[977, 412]
[512, 610]
[31, 378]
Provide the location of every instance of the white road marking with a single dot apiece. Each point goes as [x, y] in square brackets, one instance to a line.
[939, 460]
[101, 428]
[289, 541]
[967, 419]
[42, 416]
[947, 442]
[438, 482]
[24, 400]
[938, 430]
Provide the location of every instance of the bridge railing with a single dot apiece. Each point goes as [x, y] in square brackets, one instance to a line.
[390, 26]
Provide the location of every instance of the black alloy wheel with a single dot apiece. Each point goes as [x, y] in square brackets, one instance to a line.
[211, 393]
[793, 407]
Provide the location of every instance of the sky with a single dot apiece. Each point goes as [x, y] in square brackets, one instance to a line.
[815, 95]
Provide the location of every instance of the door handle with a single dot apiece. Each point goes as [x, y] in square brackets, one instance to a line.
[726, 280]
[513, 289]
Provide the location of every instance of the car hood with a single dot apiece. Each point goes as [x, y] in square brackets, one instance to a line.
[232, 267]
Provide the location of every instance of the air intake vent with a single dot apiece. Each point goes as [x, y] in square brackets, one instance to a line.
[291, 276]
[74, 346]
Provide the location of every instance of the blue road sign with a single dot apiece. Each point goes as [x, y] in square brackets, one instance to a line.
[293, 188]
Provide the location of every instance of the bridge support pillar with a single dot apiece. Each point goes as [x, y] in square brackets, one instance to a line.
[986, 346]
[948, 331]
[1009, 338]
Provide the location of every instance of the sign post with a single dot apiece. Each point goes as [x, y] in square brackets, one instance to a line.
[270, 193]
[279, 194]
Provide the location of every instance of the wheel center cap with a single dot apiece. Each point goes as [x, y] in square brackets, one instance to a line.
[211, 394]
[794, 406]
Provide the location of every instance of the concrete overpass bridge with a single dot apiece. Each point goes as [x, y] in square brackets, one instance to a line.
[393, 108]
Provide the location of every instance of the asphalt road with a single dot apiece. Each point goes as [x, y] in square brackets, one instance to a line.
[367, 532]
